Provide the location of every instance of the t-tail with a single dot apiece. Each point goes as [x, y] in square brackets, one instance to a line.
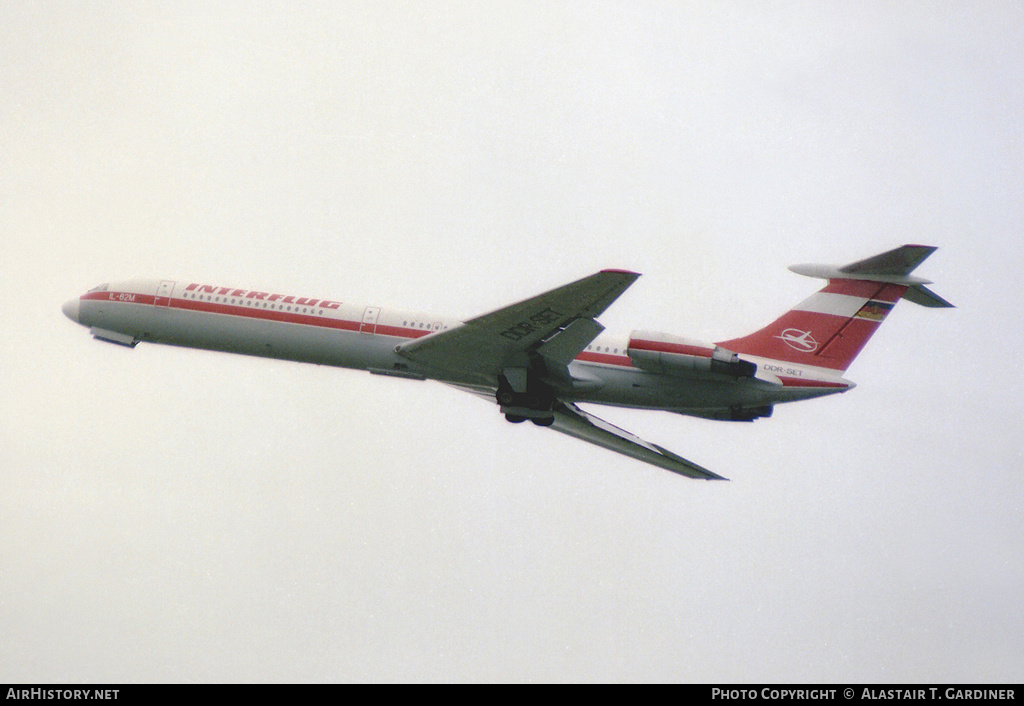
[831, 327]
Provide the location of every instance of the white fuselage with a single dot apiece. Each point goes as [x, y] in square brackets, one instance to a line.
[329, 332]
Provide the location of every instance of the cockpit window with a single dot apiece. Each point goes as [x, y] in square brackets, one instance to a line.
[101, 288]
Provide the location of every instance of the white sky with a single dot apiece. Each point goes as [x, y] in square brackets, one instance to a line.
[176, 515]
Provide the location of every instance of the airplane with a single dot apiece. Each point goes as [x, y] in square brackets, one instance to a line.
[540, 358]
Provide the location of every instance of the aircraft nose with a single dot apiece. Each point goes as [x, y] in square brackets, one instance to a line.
[70, 309]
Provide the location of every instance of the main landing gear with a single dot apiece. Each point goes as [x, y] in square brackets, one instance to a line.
[535, 404]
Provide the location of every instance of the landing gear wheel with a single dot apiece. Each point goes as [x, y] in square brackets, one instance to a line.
[538, 396]
[543, 421]
[515, 418]
[506, 396]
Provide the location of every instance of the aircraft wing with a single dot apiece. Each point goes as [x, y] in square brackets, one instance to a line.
[554, 326]
[559, 323]
[571, 420]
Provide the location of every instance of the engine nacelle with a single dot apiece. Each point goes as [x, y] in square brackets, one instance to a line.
[676, 355]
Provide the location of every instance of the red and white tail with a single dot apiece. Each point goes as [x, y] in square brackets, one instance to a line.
[831, 327]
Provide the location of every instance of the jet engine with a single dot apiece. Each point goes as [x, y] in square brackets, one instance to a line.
[675, 355]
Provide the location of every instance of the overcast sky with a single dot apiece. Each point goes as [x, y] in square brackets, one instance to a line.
[178, 515]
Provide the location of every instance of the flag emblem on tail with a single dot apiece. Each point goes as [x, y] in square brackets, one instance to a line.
[874, 310]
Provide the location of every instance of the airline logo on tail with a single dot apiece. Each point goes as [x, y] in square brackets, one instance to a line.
[799, 340]
[845, 313]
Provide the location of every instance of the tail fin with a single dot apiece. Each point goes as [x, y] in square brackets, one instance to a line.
[831, 327]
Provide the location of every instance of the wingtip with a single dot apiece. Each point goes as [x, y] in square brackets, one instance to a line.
[615, 271]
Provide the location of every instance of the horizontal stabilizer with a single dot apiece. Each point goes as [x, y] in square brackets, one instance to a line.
[892, 267]
[919, 294]
[899, 262]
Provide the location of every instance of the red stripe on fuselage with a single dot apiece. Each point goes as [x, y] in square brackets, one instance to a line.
[265, 314]
[259, 308]
[605, 358]
[257, 311]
